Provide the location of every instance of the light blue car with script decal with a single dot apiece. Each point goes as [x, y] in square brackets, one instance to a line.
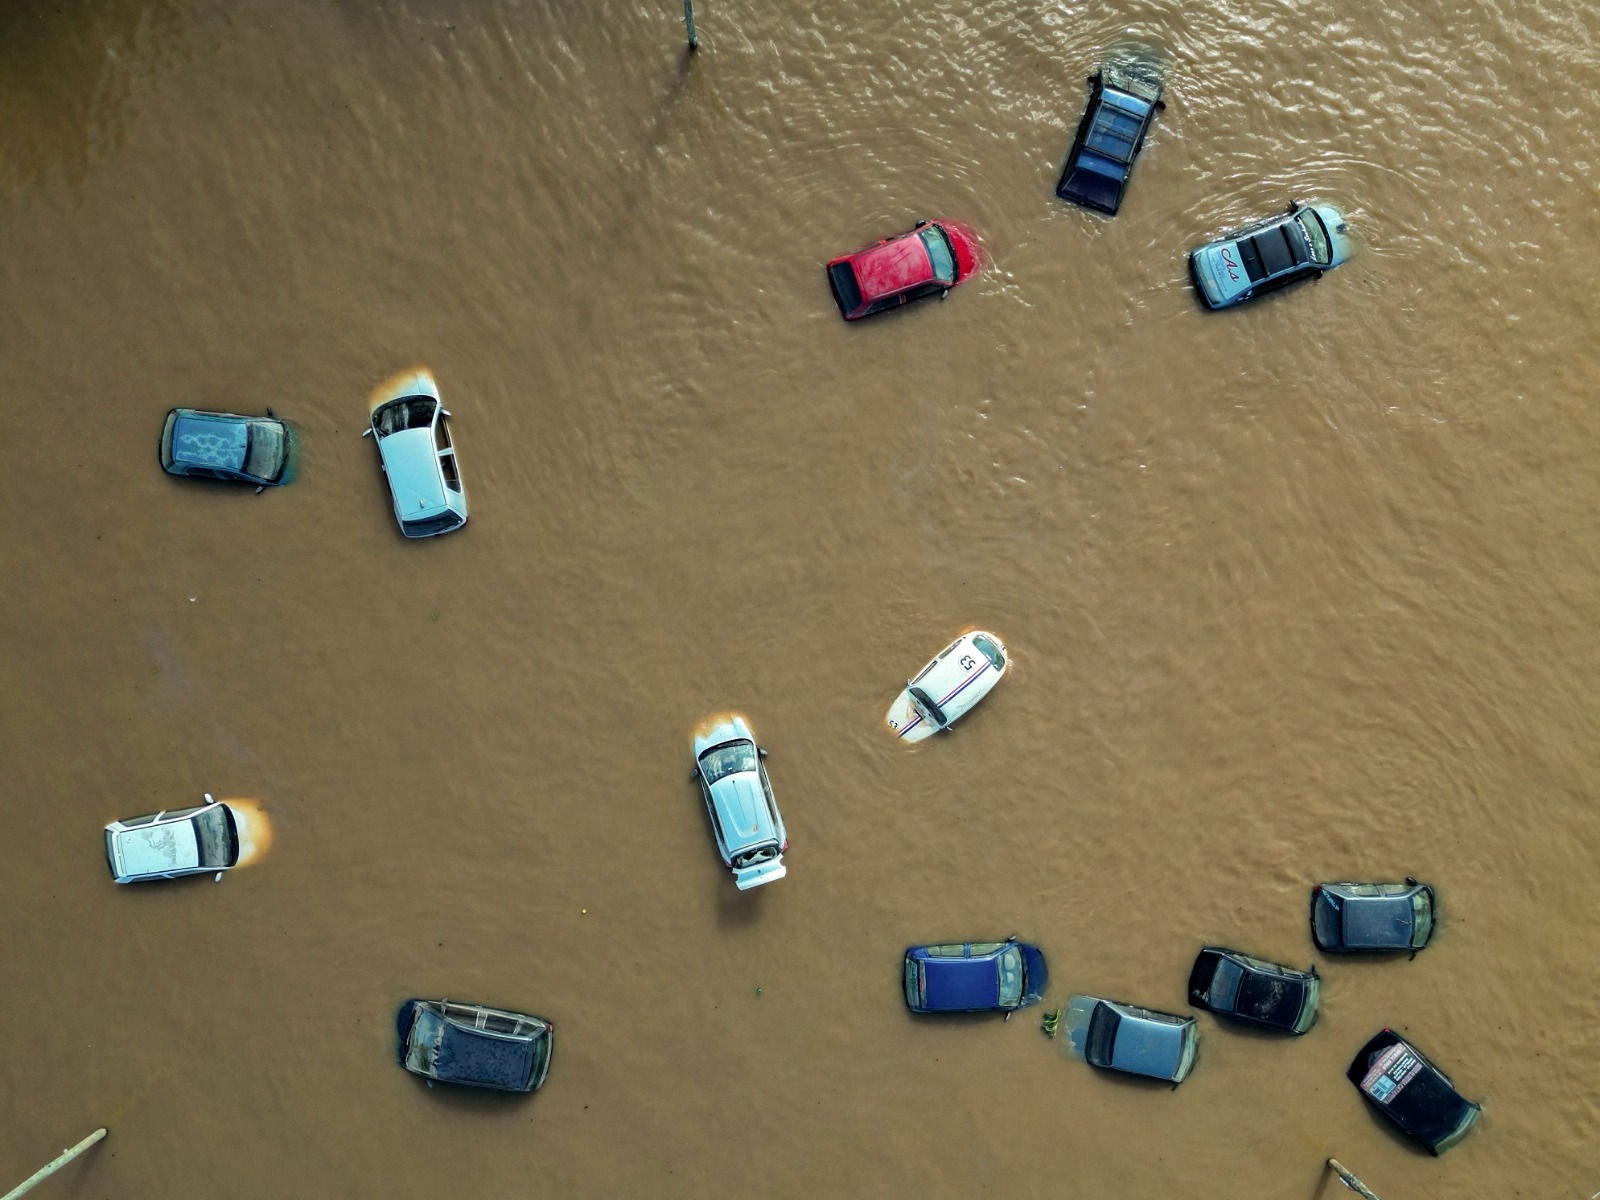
[1299, 244]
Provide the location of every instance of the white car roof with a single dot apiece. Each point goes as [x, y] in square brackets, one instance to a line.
[168, 845]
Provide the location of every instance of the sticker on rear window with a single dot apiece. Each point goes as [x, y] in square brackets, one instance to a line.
[1395, 1068]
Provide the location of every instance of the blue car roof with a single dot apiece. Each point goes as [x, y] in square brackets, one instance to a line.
[956, 984]
[477, 1056]
[1148, 1047]
[201, 440]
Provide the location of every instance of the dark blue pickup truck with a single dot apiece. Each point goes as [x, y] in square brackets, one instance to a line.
[1122, 104]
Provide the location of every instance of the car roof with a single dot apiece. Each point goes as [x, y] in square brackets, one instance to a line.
[1146, 1043]
[892, 266]
[169, 844]
[963, 982]
[1378, 920]
[411, 462]
[1419, 1096]
[467, 1055]
[946, 679]
[210, 439]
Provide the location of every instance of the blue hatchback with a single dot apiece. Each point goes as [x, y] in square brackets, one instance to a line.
[974, 976]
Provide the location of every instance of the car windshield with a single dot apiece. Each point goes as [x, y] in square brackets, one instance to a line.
[1422, 912]
[1321, 249]
[990, 651]
[1011, 977]
[940, 255]
[413, 412]
[926, 705]
[213, 831]
[265, 453]
[727, 759]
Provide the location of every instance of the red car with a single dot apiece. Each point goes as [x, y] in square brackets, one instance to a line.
[929, 259]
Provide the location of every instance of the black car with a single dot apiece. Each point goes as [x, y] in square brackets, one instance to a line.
[473, 1045]
[1372, 916]
[1232, 984]
[1404, 1086]
[1123, 101]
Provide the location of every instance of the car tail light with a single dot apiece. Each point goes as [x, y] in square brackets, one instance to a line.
[784, 849]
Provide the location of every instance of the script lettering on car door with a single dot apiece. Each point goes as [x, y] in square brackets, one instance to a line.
[1227, 261]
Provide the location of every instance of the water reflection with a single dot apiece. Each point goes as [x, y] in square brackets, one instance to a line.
[63, 79]
[255, 831]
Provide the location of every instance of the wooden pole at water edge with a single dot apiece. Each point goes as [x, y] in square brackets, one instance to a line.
[54, 1165]
[1350, 1181]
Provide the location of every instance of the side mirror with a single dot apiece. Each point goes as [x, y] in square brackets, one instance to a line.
[217, 878]
[270, 413]
[210, 799]
[367, 432]
[444, 412]
[261, 488]
[694, 774]
[944, 293]
[762, 751]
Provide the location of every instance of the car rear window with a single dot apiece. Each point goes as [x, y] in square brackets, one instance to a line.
[1225, 984]
[990, 651]
[845, 289]
[412, 412]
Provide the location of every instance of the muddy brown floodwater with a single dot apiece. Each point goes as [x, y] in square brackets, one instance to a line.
[1300, 592]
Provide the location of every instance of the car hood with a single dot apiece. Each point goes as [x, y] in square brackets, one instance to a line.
[742, 805]
[961, 983]
[157, 849]
[410, 461]
[1148, 1047]
[1219, 270]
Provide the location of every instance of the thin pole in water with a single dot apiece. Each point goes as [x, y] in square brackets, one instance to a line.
[1350, 1181]
[54, 1165]
[688, 19]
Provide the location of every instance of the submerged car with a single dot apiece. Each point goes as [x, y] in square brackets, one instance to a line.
[1371, 916]
[1399, 1082]
[1139, 1041]
[183, 841]
[974, 977]
[927, 260]
[1293, 246]
[473, 1045]
[1123, 100]
[1232, 984]
[412, 430]
[216, 445]
[738, 795]
[946, 689]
